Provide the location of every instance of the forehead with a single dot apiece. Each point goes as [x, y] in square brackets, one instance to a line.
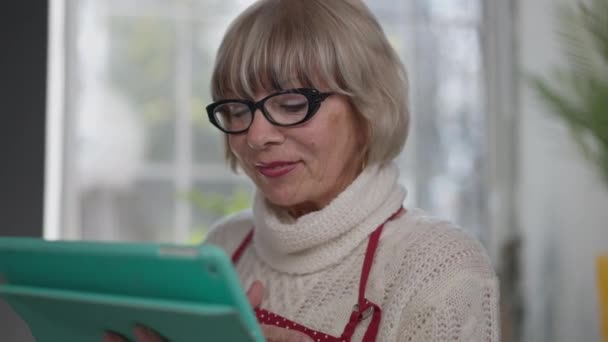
[259, 57]
[261, 93]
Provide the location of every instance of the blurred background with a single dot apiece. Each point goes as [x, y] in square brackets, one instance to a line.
[104, 137]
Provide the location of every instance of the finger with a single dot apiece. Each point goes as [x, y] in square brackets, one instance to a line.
[256, 294]
[276, 334]
[145, 334]
[111, 336]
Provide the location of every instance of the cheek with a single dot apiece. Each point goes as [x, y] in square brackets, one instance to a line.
[235, 144]
[240, 150]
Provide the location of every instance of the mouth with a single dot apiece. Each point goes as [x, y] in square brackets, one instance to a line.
[276, 169]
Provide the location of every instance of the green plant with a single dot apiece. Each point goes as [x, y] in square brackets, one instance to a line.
[216, 205]
[578, 94]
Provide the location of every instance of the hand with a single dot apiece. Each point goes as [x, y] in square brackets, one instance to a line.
[142, 334]
[255, 295]
[272, 333]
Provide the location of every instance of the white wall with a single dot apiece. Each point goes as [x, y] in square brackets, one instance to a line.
[563, 205]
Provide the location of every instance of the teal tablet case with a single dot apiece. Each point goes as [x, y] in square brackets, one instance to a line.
[74, 291]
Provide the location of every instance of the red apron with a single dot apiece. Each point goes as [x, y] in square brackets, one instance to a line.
[361, 311]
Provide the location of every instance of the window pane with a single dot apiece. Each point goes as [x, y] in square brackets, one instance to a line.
[453, 10]
[207, 144]
[448, 119]
[459, 48]
[143, 212]
[141, 65]
[387, 10]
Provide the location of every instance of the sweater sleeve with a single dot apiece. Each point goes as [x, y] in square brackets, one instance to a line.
[462, 308]
[230, 231]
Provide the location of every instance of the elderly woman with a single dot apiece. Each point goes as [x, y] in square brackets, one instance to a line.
[312, 101]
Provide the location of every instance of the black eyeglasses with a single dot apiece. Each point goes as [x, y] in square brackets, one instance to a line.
[285, 108]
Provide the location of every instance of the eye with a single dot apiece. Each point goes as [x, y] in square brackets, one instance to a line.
[288, 104]
[232, 110]
[239, 113]
[295, 107]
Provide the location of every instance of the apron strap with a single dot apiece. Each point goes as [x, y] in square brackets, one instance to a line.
[372, 245]
[239, 251]
[364, 306]
[374, 325]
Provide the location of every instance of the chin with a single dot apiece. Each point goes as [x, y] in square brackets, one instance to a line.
[281, 199]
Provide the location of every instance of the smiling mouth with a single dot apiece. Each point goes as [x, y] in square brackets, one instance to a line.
[276, 169]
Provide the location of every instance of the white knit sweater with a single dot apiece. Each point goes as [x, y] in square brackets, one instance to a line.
[432, 281]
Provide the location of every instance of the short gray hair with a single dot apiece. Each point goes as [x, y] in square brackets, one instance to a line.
[335, 43]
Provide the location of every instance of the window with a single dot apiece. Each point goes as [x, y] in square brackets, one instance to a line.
[139, 160]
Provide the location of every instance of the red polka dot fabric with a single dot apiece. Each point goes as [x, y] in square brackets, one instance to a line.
[268, 318]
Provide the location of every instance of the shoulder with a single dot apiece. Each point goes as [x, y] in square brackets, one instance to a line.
[441, 276]
[230, 231]
[427, 251]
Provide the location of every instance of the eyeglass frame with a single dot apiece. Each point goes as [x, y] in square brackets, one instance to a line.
[313, 96]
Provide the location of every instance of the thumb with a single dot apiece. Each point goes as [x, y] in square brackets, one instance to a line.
[255, 294]
[276, 334]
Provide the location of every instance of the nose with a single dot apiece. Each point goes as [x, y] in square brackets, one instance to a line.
[262, 133]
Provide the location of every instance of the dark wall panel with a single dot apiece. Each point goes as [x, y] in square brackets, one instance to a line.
[23, 64]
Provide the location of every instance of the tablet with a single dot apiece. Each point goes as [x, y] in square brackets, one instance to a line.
[74, 291]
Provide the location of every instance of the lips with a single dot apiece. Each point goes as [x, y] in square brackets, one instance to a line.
[276, 169]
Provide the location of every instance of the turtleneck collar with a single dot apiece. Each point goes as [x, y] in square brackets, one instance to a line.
[323, 238]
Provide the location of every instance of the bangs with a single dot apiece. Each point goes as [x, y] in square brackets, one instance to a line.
[273, 46]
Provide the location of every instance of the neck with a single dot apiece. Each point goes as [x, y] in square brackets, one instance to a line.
[301, 209]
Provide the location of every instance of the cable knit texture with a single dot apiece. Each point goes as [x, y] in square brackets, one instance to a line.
[432, 280]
